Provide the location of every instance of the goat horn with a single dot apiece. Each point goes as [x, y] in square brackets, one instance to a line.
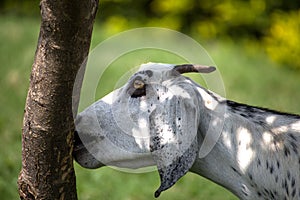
[186, 68]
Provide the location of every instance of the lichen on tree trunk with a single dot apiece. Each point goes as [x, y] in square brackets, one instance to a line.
[47, 135]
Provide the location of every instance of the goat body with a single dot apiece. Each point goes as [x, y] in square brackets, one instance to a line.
[164, 119]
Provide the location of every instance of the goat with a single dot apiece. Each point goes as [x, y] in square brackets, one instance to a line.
[161, 118]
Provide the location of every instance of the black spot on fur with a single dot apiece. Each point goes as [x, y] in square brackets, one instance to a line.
[272, 195]
[286, 151]
[259, 194]
[250, 176]
[271, 169]
[294, 147]
[288, 175]
[155, 144]
[236, 171]
[267, 164]
[286, 187]
[287, 190]
[294, 192]
[293, 137]
[266, 191]
[149, 73]
[293, 182]
[258, 162]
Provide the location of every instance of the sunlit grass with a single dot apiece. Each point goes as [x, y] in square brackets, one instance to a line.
[248, 78]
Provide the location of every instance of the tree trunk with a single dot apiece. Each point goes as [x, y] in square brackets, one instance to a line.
[47, 134]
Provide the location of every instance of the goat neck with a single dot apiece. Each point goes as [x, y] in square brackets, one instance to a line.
[256, 153]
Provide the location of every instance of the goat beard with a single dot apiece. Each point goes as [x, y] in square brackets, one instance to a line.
[171, 173]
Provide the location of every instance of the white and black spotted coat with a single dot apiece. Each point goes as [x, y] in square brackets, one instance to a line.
[165, 123]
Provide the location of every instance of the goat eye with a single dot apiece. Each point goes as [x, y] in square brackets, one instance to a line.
[138, 84]
[139, 89]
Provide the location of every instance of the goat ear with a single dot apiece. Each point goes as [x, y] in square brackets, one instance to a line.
[173, 143]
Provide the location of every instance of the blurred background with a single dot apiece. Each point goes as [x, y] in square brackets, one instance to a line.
[255, 44]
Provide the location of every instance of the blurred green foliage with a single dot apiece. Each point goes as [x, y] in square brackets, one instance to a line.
[274, 25]
[282, 42]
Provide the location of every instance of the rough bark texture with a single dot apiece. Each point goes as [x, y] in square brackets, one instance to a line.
[47, 135]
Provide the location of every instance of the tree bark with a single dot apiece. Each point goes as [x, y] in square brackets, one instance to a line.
[47, 135]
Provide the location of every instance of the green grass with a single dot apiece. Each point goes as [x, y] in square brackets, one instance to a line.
[248, 77]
